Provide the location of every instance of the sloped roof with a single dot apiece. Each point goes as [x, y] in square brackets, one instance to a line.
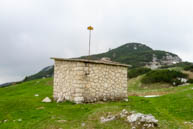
[91, 61]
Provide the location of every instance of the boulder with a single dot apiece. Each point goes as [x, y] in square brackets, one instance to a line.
[126, 100]
[47, 100]
[123, 113]
[142, 120]
[107, 119]
[19, 120]
[36, 95]
[83, 124]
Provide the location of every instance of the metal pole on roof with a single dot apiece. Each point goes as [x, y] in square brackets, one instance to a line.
[90, 28]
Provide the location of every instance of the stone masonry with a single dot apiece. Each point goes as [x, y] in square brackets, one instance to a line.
[80, 80]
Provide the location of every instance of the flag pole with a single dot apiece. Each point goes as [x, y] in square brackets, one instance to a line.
[89, 41]
[89, 28]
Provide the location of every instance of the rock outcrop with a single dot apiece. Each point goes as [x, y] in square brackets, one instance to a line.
[136, 120]
[141, 120]
[168, 59]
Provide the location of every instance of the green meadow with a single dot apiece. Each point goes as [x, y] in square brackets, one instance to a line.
[21, 109]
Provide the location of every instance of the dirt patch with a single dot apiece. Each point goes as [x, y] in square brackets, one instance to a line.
[190, 74]
[156, 86]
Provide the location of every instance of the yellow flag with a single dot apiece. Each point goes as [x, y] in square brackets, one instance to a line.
[90, 28]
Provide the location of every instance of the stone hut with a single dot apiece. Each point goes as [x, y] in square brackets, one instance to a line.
[82, 81]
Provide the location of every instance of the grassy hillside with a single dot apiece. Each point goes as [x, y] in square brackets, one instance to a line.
[45, 72]
[23, 110]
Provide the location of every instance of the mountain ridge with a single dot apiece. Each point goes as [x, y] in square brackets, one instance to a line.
[137, 55]
[134, 54]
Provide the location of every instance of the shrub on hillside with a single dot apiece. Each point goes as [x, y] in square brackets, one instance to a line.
[190, 81]
[181, 64]
[189, 68]
[168, 76]
[137, 71]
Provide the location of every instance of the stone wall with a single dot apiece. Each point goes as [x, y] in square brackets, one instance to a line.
[89, 82]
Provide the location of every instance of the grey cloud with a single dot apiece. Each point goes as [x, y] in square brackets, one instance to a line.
[32, 31]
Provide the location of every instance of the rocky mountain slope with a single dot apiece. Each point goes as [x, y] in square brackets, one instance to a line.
[137, 54]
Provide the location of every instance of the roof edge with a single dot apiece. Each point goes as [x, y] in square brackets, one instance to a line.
[91, 61]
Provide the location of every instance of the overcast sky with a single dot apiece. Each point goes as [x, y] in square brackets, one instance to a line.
[32, 31]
